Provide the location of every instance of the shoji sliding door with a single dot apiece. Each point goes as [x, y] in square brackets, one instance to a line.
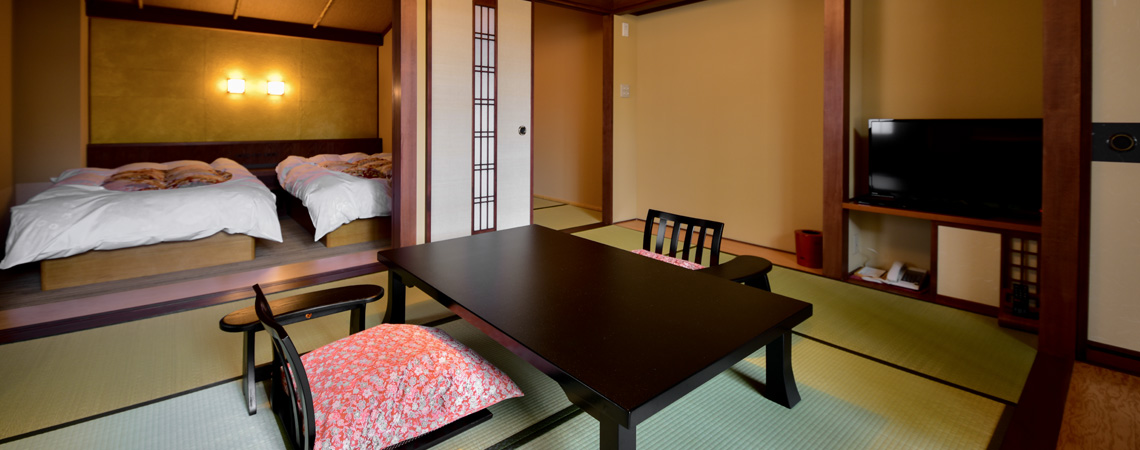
[480, 97]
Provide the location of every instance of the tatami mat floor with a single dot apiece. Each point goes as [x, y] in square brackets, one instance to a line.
[561, 216]
[876, 381]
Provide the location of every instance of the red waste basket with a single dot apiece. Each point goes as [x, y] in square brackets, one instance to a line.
[809, 248]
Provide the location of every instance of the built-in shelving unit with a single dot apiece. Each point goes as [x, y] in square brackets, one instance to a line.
[998, 224]
[1020, 251]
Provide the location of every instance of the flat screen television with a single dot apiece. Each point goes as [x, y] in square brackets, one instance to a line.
[986, 168]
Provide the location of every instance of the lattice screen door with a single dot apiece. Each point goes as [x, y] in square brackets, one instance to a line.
[483, 179]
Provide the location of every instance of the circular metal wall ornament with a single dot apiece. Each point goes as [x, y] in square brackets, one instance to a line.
[1122, 142]
[522, 131]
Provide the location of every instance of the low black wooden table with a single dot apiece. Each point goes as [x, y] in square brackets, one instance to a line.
[298, 308]
[622, 334]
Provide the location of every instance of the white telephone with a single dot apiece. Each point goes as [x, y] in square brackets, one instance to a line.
[896, 272]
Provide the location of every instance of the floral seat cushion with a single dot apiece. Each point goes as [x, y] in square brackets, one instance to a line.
[391, 383]
[669, 259]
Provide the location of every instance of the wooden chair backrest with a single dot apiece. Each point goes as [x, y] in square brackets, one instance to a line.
[291, 397]
[689, 225]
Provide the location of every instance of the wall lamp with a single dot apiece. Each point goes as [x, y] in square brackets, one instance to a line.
[276, 88]
[235, 86]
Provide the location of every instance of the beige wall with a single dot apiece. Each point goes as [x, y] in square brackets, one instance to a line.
[1114, 241]
[625, 122]
[48, 84]
[568, 105]
[729, 101]
[165, 83]
[947, 59]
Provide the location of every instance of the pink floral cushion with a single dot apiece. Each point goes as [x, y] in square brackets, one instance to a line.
[391, 383]
[669, 259]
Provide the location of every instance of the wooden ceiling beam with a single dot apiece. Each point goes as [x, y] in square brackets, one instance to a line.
[618, 7]
[126, 11]
[646, 7]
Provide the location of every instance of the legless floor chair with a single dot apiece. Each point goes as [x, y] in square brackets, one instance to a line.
[360, 391]
[747, 269]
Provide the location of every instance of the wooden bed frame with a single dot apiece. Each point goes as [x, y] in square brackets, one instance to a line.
[98, 266]
[221, 248]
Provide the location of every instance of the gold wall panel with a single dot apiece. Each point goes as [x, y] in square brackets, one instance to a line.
[166, 83]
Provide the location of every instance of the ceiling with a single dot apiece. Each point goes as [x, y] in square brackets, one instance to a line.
[361, 21]
[367, 16]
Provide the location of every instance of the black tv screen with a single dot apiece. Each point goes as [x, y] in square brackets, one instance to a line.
[989, 168]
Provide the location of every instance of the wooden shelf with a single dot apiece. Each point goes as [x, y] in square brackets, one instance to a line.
[921, 294]
[1011, 225]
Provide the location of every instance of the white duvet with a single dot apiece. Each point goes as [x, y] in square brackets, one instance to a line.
[334, 198]
[77, 214]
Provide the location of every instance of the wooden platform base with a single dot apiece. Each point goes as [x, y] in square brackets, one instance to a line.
[359, 230]
[109, 265]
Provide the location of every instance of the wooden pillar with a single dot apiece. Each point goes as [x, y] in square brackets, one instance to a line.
[836, 132]
[404, 122]
[1065, 172]
[608, 119]
[1062, 328]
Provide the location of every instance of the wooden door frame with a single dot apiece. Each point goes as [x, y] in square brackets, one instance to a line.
[404, 109]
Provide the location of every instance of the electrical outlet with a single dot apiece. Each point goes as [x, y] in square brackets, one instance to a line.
[625, 90]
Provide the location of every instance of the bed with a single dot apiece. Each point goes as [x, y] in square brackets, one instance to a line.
[95, 225]
[342, 199]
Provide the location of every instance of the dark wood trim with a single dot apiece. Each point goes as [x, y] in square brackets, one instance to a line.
[1112, 357]
[964, 305]
[575, 6]
[404, 109]
[650, 6]
[251, 154]
[1066, 167]
[1036, 421]
[957, 221]
[172, 16]
[836, 125]
[427, 122]
[531, 124]
[608, 119]
[582, 228]
[299, 280]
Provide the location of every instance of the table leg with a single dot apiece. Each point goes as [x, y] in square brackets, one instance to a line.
[356, 322]
[396, 293]
[781, 387]
[247, 373]
[759, 282]
[617, 437]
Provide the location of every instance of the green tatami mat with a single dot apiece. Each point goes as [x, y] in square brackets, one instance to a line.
[963, 348]
[59, 379]
[215, 418]
[566, 216]
[540, 203]
[848, 402]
